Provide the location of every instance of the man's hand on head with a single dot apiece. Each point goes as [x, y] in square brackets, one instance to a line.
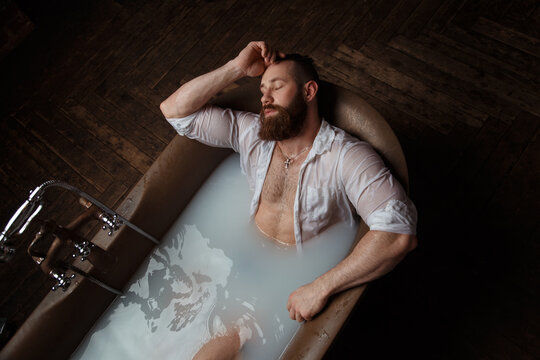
[256, 57]
[306, 302]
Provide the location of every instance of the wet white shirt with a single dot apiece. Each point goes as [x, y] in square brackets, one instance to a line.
[340, 177]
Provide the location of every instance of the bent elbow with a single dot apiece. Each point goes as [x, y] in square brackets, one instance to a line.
[164, 109]
[407, 243]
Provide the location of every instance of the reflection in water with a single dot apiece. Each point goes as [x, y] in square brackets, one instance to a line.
[172, 297]
[183, 285]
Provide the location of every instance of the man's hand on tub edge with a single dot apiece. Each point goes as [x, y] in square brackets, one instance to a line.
[306, 302]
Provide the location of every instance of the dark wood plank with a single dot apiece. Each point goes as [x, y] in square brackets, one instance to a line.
[337, 69]
[303, 17]
[144, 113]
[442, 82]
[40, 153]
[327, 19]
[344, 27]
[521, 17]
[510, 37]
[241, 32]
[206, 58]
[158, 44]
[172, 48]
[81, 53]
[495, 49]
[494, 9]
[93, 137]
[413, 87]
[125, 117]
[445, 14]
[125, 162]
[467, 72]
[20, 169]
[127, 47]
[503, 69]
[68, 151]
[369, 23]
[419, 18]
[400, 14]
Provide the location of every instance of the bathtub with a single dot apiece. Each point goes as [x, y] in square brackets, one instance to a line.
[62, 319]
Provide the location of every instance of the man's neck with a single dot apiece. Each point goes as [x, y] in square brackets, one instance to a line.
[306, 136]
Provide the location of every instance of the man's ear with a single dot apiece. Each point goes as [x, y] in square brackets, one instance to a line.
[310, 90]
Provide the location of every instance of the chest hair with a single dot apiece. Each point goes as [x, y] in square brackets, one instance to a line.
[280, 183]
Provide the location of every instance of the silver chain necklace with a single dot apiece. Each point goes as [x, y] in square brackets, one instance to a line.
[290, 158]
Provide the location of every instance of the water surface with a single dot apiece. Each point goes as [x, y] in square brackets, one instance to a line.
[213, 270]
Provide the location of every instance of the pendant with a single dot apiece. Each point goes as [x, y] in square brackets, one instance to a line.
[287, 163]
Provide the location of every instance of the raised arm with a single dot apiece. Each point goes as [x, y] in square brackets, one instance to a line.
[376, 254]
[190, 97]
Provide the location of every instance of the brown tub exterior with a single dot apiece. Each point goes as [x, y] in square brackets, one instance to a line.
[62, 319]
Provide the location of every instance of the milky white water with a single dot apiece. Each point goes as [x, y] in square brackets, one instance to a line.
[213, 270]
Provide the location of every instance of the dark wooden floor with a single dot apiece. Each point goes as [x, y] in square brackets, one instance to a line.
[458, 80]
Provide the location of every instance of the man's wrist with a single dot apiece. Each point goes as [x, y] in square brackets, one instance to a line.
[323, 286]
[235, 69]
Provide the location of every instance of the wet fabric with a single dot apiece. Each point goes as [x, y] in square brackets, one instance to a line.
[340, 177]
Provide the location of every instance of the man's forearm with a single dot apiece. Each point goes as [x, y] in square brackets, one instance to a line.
[376, 254]
[190, 97]
[194, 94]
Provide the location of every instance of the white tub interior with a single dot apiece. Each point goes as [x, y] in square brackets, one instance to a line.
[213, 269]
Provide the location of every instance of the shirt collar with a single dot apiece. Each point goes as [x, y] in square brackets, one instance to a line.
[324, 139]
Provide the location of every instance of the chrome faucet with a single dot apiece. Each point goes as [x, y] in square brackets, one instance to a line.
[35, 203]
[50, 262]
[62, 281]
[19, 222]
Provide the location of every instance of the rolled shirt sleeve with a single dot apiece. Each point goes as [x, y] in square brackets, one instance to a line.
[377, 196]
[214, 126]
[226, 128]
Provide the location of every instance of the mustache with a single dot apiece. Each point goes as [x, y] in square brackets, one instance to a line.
[272, 107]
[269, 106]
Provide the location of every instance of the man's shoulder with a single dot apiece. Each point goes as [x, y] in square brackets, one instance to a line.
[343, 139]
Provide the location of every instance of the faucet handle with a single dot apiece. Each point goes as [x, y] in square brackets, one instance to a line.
[83, 249]
[62, 281]
[110, 222]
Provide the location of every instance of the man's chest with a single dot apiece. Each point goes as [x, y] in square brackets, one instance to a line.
[281, 182]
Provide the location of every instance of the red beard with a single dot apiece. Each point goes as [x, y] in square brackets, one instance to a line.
[285, 122]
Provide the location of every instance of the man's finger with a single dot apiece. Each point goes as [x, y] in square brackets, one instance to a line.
[269, 55]
[292, 314]
[273, 57]
[299, 317]
[264, 49]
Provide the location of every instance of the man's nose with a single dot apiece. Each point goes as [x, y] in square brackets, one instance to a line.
[266, 99]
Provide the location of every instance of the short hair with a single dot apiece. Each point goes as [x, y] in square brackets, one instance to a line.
[304, 68]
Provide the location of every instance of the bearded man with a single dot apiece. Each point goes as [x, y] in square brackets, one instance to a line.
[306, 175]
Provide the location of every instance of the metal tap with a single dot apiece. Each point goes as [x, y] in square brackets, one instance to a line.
[83, 249]
[34, 204]
[62, 281]
[111, 222]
